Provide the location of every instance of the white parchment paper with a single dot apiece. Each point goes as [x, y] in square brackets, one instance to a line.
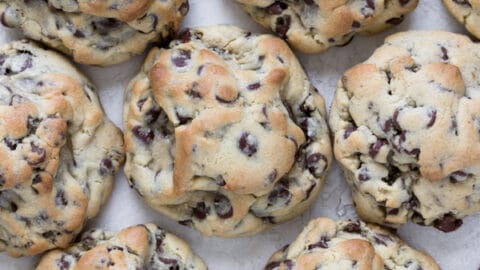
[456, 250]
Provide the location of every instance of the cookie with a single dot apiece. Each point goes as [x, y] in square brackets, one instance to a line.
[225, 133]
[137, 247]
[58, 150]
[407, 130]
[343, 245]
[96, 32]
[312, 26]
[466, 12]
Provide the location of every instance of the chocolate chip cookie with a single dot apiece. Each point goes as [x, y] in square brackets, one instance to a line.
[312, 26]
[96, 32]
[225, 133]
[344, 245]
[466, 12]
[407, 130]
[58, 150]
[136, 247]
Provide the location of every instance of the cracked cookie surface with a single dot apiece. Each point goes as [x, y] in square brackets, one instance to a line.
[225, 133]
[407, 130]
[96, 32]
[312, 26]
[467, 12]
[348, 245]
[136, 247]
[58, 150]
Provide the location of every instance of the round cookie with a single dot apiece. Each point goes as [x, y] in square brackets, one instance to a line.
[407, 130]
[96, 32]
[225, 133]
[58, 150]
[344, 245]
[466, 12]
[312, 26]
[137, 247]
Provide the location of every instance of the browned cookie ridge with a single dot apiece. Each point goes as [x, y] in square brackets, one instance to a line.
[96, 32]
[348, 245]
[225, 133]
[407, 130]
[136, 247]
[58, 150]
[312, 26]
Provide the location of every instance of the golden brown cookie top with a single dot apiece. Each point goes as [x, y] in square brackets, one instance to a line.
[57, 146]
[96, 32]
[406, 125]
[228, 116]
[312, 26]
[137, 247]
[344, 245]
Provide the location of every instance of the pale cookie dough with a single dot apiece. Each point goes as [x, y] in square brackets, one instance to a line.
[407, 130]
[348, 245]
[312, 26]
[137, 247]
[96, 32]
[58, 150]
[225, 133]
[466, 12]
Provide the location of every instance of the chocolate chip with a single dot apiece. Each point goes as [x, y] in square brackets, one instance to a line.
[444, 53]
[353, 227]
[280, 194]
[193, 92]
[403, 2]
[183, 119]
[458, 176]
[393, 211]
[348, 131]
[248, 144]
[169, 261]
[222, 206]
[272, 265]
[253, 86]
[182, 58]
[184, 8]
[144, 134]
[106, 167]
[41, 153]
[10, 143]
[201, 211]
[272, 176]
[79, 34]
[152, 115]
[276, 8]
[356, 24]
[371, 4]
[463, 2]
[106, 25]
[112, 248]
[382, 239]
[2, 180]
[433, 116]
[395, 21]
[363, 175]
[320, 244]
[62, 263]
[220, 181]
[313, 162]
[184, 36]
[448, 223]
[282, 25]
[60, 199]
[375, 148]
